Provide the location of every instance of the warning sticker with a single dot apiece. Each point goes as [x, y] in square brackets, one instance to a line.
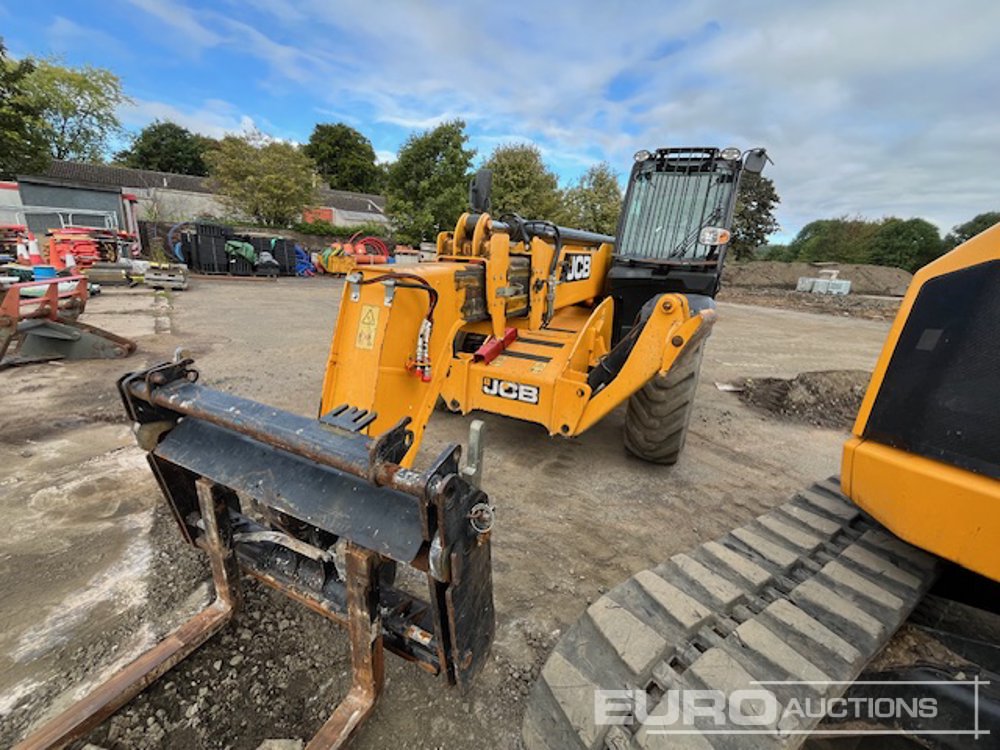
[367, 327]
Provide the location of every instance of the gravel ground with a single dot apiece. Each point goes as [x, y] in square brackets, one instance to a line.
[576, 517]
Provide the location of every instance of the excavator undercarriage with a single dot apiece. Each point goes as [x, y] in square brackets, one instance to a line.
[796, 602]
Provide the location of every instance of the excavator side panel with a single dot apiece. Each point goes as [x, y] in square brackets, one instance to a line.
[925, 456]
[796, 602]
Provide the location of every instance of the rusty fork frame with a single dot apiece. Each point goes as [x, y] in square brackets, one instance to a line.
[364, 627]
[14, 307]
[321, 512]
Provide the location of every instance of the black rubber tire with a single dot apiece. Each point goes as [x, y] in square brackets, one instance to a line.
[656, 421]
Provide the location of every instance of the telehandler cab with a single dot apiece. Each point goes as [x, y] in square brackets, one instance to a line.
[548, 324]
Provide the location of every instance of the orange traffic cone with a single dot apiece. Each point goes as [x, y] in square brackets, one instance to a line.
[34, 256]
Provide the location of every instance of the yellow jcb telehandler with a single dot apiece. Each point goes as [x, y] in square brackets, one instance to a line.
[548, 324]
[522, 318]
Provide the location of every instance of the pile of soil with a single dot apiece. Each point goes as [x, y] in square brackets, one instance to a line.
[829, 398]
[864, 278]
[853, 306]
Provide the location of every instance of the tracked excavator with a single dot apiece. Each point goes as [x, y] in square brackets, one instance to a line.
[723, 646]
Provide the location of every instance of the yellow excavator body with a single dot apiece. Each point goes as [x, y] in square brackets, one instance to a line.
[924, 458]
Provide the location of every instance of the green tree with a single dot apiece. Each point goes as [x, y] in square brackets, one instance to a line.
[773, 251]
[427, 184]
[383, 177]
[970, 229]
[269, 181]
[167, 147]
[907, 244]
[79, 106]
[595, 201]
[843, 239]
[522, 184]
[344, 157]
[23, 137]
[754, 219]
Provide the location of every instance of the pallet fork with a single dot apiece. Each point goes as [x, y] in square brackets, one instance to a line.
[47, 326]
[322, 513]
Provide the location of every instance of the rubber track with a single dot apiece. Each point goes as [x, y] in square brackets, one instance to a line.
[657, 416]
[809, 591]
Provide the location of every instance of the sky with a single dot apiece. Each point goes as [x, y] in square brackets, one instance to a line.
[867, 107]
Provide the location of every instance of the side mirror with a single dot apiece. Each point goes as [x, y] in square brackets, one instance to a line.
[754, 160]
[480, 187]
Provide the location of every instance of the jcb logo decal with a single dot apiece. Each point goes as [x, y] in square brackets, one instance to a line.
[577, 267]
[527, 394]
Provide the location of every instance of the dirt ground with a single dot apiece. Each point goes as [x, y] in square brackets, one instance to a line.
[864, 278]
[829, 398]
[92, 570]
[870, 307]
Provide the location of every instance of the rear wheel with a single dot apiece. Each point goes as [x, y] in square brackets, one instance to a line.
[658, 414]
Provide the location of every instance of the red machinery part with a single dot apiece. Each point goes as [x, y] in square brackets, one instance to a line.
[75, 241]
[85, 245]
[47, 305]
[360, 247]
[494, 347]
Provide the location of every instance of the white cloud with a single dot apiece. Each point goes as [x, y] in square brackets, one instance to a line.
[285, 61]
[286, 11]
[214, 118]
[339, 115]
[183, 20]
[64, 34]
[557, 158]
[422, 123]
[867, 108]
